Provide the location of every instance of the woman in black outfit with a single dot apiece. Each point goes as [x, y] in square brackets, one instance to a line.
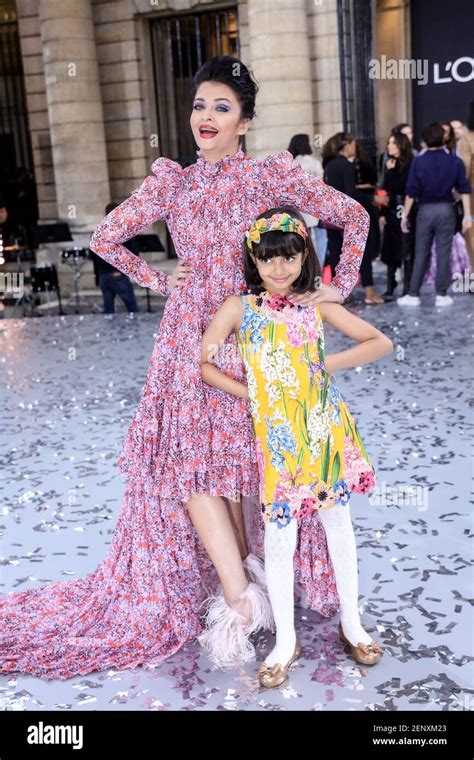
[397, 245]
[339, 172]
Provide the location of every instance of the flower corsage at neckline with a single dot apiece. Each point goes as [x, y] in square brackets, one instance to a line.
[275, 301]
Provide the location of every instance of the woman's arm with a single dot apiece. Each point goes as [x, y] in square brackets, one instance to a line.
[373, 344]
[149, 202]
[291, 184]
[226, 320]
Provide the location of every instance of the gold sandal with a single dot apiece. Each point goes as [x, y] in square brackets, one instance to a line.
[365, 654]
[275, 675]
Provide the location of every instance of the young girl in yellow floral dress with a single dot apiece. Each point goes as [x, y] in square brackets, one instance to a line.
[310, 453]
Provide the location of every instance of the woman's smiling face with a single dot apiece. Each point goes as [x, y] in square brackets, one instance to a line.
[217, 109]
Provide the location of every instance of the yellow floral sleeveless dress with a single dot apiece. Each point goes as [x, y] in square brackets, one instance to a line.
[309, 451]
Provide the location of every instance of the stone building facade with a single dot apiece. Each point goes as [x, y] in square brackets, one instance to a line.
[91, 86]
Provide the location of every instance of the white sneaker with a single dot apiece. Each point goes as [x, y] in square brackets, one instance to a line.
[408, 300]
[443, 300]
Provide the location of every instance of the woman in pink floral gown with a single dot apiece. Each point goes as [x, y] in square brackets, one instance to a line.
[189, 454]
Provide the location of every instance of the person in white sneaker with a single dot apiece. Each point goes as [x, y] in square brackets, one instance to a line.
[432, 178]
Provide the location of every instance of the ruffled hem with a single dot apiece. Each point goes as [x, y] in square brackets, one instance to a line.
[154, 450]
[178, 483]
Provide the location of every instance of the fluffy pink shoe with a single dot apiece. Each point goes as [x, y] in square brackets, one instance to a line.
[226, 634]
[255, 570]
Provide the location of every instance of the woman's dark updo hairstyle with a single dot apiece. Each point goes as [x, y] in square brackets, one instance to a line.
[279, 243]
[232, 72]
[299, 146]
[335, 144]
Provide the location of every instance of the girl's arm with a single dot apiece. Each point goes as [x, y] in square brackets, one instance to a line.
[226, 320]
[373, 344]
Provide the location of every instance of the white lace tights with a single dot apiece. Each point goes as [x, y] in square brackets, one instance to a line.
[280, 545]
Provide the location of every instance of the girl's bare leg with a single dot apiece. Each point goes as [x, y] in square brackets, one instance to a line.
[210, 516]
[237, 519]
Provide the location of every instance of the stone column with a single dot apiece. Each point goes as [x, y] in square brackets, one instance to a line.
[75, 112]
[280, 59]
[393, 96]
[324, 46]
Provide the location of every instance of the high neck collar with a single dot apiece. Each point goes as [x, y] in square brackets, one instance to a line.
[222, 164]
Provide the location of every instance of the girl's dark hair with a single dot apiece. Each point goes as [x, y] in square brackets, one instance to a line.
[279, 243]
[232, 72]
[335, 143]
[404, 146]
[299, 146]
[450, 140]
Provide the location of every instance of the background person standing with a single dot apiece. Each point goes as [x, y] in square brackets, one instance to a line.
[431, 180]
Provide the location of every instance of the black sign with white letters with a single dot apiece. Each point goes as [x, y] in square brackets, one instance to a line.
[443, 48]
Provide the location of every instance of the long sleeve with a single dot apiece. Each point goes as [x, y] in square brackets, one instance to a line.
[290, 184]
[149, 202]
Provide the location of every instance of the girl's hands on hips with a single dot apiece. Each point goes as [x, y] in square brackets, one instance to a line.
[179, 275]
[323, 293]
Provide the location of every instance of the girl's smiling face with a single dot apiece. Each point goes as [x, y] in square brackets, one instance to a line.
[278, 273]
[216, 120]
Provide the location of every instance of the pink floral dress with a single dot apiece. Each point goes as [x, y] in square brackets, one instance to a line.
[142, 603]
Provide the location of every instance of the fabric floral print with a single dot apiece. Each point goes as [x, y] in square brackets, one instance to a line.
[311, 455]
[143, 601]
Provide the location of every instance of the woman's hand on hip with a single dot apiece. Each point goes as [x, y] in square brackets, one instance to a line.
[179, 275]
[323, 293]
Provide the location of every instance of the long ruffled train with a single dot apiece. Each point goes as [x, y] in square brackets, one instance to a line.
[144, 600]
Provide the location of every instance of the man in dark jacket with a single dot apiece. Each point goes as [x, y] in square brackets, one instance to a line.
[433, 176]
